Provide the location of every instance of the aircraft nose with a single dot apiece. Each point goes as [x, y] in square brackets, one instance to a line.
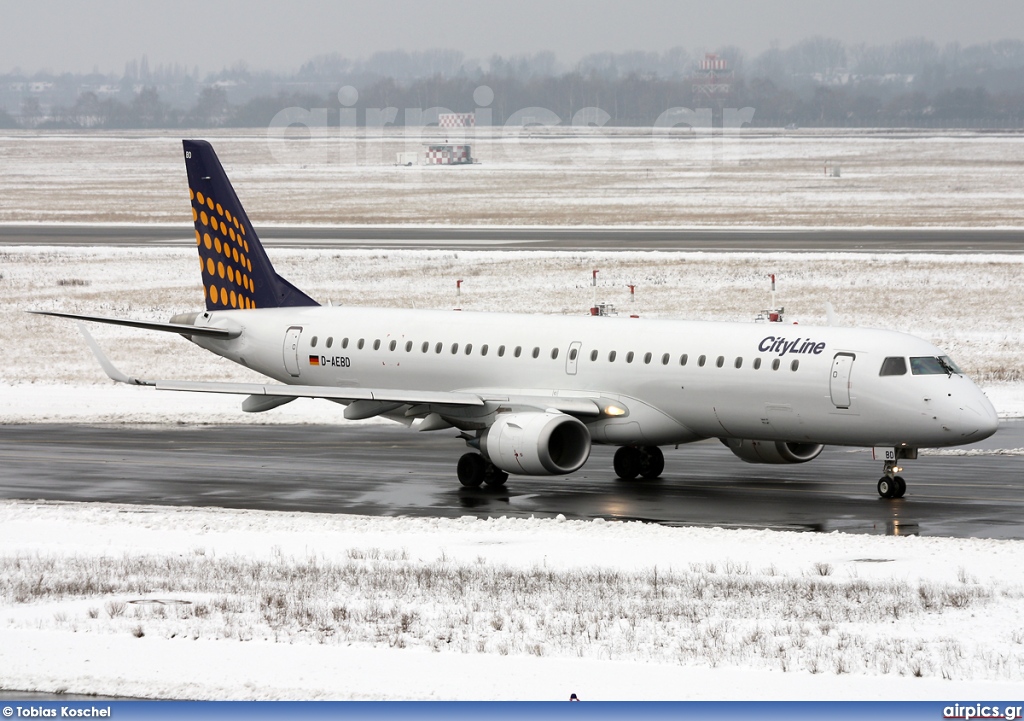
[980, 419]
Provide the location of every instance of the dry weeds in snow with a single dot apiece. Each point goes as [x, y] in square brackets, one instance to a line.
[706, 614]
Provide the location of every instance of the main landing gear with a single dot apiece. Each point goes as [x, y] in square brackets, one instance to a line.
[474, 470]
[890, 485]
[633, 461]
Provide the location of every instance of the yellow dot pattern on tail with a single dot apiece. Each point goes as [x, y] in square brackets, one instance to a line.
[222, 255]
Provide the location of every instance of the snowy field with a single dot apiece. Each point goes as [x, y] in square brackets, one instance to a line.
[969, 305]
[556, 176]
[228, 604]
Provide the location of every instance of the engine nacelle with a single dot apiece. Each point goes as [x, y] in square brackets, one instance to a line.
[536, 444]
[773, 451]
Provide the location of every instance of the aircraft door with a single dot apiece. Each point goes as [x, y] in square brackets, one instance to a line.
[291, 350]
[572, 358]
[839, 380]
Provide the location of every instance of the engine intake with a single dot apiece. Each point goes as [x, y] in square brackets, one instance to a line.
[773, 451]
[537, 444]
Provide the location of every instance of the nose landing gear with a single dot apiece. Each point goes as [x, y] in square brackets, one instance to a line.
[890, 485]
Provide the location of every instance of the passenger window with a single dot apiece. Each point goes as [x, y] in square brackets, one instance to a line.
[330, 341]
[702, 360]
[794, 365]
[344, 342]
[518, 351]
[572, 354]
[392, 345]
[312, 342]
[469, 348]
[757, 363]
[775, 364]
[611, 356]
[425, 347]
[501, 351]
[629, 357]
[536, 351]
[894, 366]
[455, 348]
[408, 346]
[554, 353]
[376, 344]
[665, 359]
[593, 355]
[721, 361]
[683, 358]
[647, 358]
[438, 347]
[739, 362]
[483, 349]
[359, 345]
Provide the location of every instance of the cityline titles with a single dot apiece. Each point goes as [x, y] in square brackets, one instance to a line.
[772, 344]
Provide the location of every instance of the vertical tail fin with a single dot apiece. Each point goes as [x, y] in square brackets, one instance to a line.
[236, 270]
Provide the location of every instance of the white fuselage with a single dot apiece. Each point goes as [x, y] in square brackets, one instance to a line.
[763, 381]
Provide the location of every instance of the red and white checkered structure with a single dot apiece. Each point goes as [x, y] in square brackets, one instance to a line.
[456, 120]
[444, 154]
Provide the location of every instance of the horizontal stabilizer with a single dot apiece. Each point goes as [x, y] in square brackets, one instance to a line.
[148, 325]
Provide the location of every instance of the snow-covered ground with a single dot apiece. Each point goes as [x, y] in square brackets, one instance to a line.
[558, 176]
[206, 603]
[969, 305]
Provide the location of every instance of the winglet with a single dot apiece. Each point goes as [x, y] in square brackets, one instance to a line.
[112, 372]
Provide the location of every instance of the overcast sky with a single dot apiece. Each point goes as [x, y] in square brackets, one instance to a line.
[282, 34]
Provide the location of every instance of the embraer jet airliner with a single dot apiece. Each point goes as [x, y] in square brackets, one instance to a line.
[530, 394]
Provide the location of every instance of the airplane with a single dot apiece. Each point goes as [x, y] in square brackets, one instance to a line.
[530, 394]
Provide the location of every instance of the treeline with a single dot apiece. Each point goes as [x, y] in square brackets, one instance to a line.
[629, 101]
[816, 82]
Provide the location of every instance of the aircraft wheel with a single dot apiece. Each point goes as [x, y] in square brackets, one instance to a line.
[627, 463]
[652, 462]
[471, 470]
[887, 487]
[901, 487]
[494, 477]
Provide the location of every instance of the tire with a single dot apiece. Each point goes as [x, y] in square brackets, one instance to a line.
[471, 470]
[627, 463]
[494, 477]
[886, 487]
[652, 462]
[901, 487]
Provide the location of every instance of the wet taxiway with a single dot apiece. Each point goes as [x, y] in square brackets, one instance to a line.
[388, 470]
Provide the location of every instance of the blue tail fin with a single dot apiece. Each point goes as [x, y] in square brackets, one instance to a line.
[236, 270]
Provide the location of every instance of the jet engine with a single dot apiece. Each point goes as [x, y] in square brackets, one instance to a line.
[773, 451]
[536, 444]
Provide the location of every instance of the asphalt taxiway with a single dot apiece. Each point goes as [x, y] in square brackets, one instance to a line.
[388, 470]
[904, 240]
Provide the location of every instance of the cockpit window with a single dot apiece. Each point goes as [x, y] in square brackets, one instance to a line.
[953, 366]
[894, 366]
[932, 366]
